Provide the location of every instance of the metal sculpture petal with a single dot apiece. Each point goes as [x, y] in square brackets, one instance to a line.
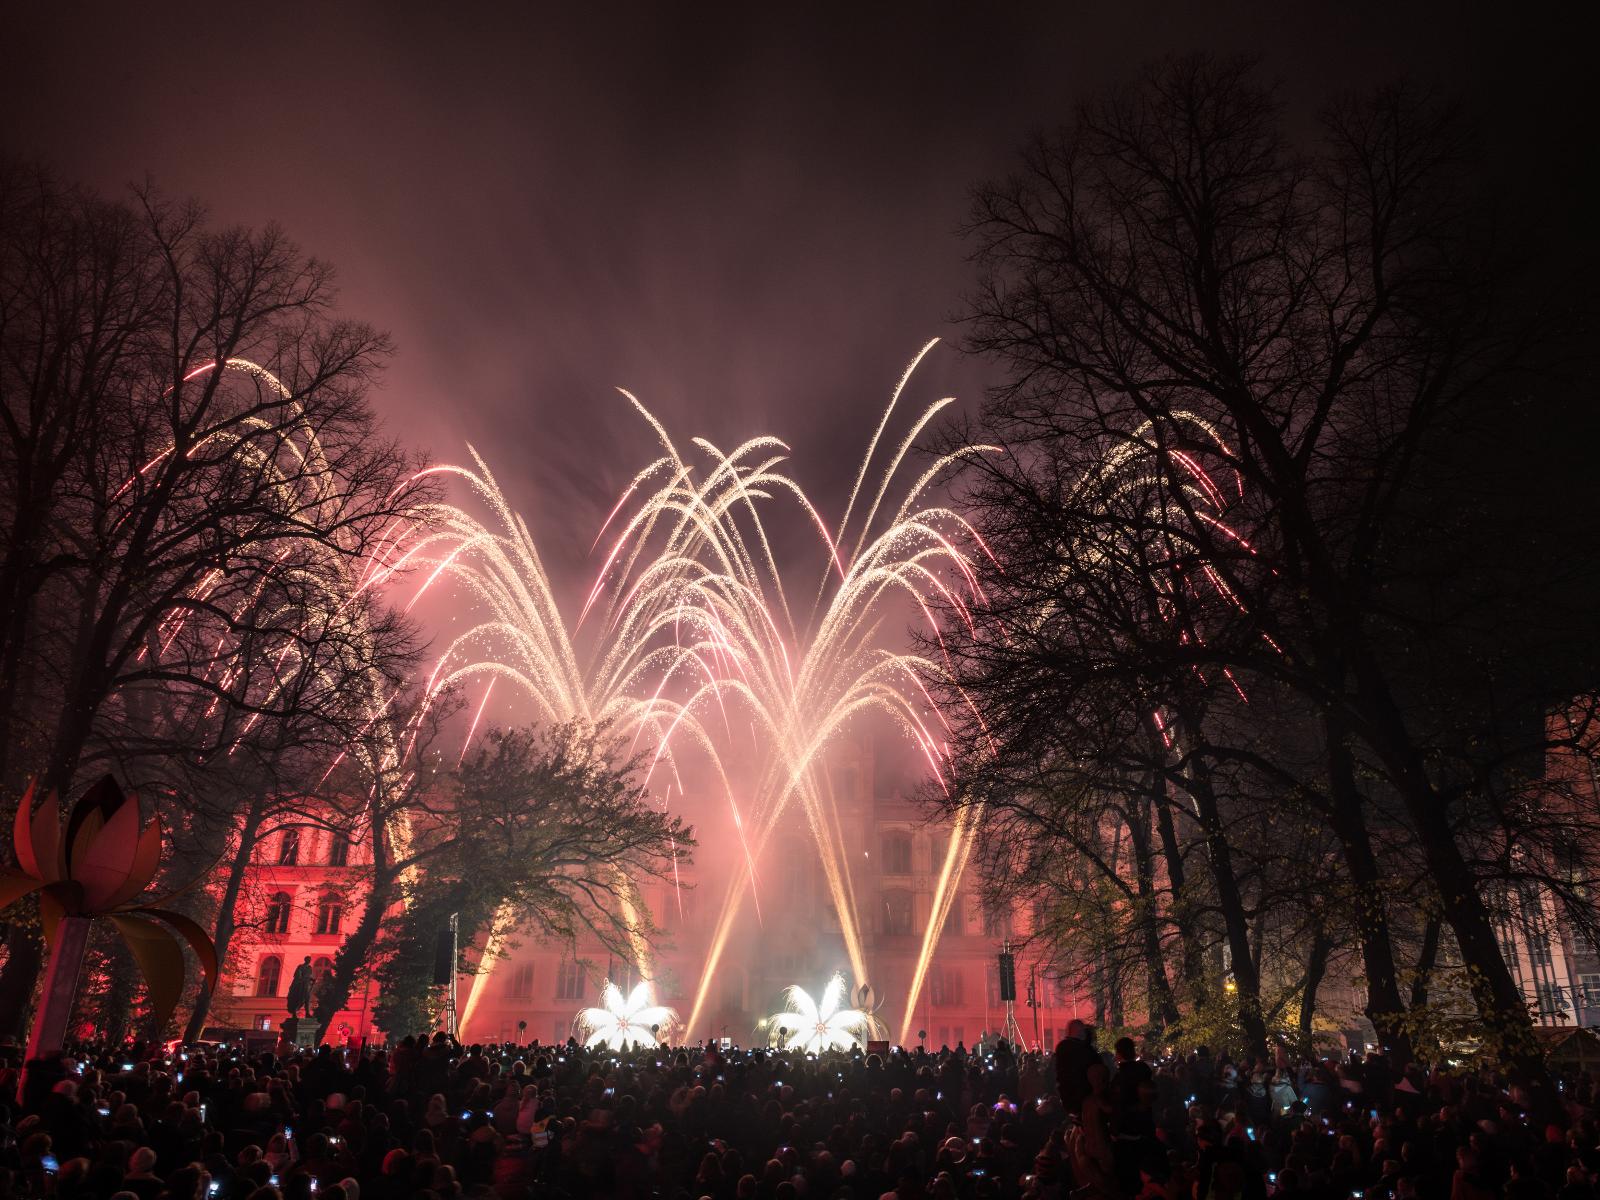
[97, 868]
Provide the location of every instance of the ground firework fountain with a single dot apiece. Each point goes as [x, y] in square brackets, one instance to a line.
[818, 1025]
[691, 634]
[634, 1019]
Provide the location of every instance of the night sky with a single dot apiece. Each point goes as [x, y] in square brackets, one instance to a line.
[747, 217]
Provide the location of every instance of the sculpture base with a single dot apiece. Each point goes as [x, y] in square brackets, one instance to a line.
[299, 1033]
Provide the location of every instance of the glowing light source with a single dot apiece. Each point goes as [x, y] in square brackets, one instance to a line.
[818, 1025]
[621, 1020]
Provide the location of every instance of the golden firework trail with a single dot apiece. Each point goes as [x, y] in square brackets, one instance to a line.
[692, 626]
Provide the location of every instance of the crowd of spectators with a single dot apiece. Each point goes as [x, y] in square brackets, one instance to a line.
[430, 1118]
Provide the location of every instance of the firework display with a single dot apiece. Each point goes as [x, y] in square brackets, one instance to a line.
[689, 640]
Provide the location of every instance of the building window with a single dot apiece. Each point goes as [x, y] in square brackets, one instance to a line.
[278, 909]
[1040, 917]
[992, 983]
[996, 921]
[896, 853]
[569, 981]
[289, 847]
[521, 985]
[1539, 949]
[1591, 990]
[897, 913]
[321, 967]
[972, 915]
[1551, 1002]
[330, 912]
[267, 975]
[338, 850]
[944, 988]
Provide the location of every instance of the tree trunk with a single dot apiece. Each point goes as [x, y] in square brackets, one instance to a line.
[1426, 957]
[354, 954]
[1231, 903]
[24, 961]
[357, 949]
[1316, 968]
[1191, 963]
[1500, 1003]
[1348, 820]
[222, 933]
[1163, 1005]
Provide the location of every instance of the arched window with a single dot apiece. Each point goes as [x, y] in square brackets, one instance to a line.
[278, 912]
[320, 967]
[289, 847]
[896, 853]
[267, 975]
[330, 911]
[338, 850]
[897, 912]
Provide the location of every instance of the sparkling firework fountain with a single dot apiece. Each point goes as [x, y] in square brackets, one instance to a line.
[690, 598]
[837, 672]
[621, 1020]
[816, 1026]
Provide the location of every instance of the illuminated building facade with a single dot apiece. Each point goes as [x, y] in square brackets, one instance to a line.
[300, 895]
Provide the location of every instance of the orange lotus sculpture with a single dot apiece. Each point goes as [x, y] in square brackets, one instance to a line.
[97, 868]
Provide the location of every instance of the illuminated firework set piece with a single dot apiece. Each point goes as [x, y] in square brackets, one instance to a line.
[631, 1020]
[692, 629]
[817, 1026]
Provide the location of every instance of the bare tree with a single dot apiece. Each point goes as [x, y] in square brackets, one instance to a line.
[1231, 368]
[192, 472]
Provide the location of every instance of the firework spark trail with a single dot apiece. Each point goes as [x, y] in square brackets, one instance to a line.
[689, 586]
[1133, 469]
[839, 675]
[642, 645]
[955, 862]
[326, 581]
[307, 488]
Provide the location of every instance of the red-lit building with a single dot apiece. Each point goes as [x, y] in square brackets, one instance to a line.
[299, 896]
[894, 856]
[302, 893]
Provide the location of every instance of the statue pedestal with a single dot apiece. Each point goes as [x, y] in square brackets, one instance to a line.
[299, 1032]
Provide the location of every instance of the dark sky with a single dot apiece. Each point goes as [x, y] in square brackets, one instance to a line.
[746, 216]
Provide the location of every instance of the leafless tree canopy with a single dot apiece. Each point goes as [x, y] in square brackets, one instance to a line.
[1227, 670]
